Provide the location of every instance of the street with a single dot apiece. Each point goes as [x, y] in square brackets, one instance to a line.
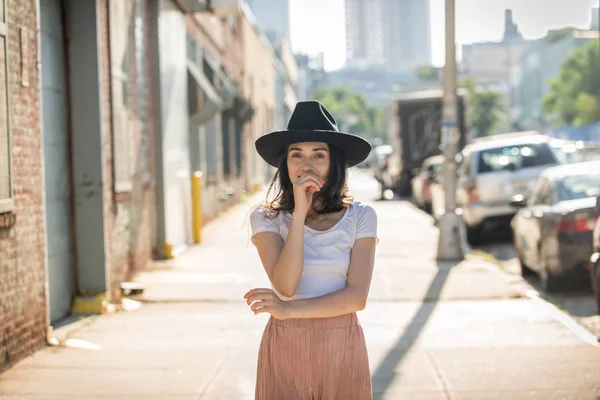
[472, 330]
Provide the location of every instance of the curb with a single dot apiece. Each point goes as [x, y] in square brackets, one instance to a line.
[551, 303]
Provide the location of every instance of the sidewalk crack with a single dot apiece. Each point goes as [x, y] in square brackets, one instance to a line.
[203, 391]
[439, 375]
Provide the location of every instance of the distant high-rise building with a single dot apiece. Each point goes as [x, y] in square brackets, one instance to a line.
[389, 33]
[511, 29]
[273, 18]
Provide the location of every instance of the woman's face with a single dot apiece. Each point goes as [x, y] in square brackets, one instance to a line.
[308, 157]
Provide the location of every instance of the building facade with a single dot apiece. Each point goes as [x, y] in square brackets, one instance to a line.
[95, 157]
[390, 33]
[530, 78]
[81, 216]
[103, 141]
[490, 63]
[273, 18]
[259, 85]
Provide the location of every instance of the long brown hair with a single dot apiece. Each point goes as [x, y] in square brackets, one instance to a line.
[334, 195]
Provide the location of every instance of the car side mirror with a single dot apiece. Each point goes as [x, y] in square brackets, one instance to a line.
[518, 201]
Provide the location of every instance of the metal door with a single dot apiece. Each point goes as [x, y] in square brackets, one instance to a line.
[57, 164]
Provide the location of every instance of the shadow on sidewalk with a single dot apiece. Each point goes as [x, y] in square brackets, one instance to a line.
[384, 375]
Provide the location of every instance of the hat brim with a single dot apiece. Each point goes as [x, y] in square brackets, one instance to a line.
[271, 146]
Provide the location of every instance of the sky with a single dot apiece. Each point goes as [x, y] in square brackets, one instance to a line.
[319, 25]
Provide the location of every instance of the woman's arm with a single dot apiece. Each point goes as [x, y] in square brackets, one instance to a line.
[350, 299]
[283, 262]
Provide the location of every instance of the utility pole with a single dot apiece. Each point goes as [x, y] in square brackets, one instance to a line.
[450, 243]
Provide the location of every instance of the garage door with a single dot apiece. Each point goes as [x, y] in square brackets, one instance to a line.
[59, 216]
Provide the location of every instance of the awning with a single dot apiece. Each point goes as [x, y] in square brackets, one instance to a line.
[204, 102]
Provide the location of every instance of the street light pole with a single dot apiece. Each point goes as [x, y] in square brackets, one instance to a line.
[449, 243]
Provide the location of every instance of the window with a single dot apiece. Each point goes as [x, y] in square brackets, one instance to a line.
[122, 46]
[238, 147]
[226, 134]
[511, 158]
[6, 189]
[212, 157]
[579, 187]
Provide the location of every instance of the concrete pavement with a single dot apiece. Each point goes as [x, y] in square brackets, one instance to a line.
[434, 331]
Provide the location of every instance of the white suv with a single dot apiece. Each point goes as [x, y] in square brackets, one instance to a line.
[493, 171]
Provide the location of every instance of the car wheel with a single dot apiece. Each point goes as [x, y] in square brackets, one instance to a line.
[525, 270]
[550, 282]
[595, 280]
[428, 208]
[473, 235]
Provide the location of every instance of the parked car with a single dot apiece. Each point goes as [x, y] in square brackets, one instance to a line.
[423, 179]
[553, 230]
[595, 259]
[381, 166]
[492, 172]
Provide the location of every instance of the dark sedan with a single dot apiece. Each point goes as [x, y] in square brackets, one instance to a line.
[595, 259]
[553, 229]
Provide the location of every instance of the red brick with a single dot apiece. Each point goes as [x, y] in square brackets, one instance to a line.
[22, 246]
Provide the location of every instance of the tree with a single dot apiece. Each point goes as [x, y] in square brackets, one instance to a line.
[574, 98]
[485, 107]
[352, 112]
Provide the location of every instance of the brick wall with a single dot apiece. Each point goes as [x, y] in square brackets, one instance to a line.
[23, 316]
[128, 216]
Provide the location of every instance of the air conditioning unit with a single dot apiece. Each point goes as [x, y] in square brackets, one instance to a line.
[225, 8]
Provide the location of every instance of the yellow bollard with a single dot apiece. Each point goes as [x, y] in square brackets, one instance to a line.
[197, 206]
[168, 251]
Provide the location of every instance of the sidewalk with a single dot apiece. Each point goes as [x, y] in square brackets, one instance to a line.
[434, 331]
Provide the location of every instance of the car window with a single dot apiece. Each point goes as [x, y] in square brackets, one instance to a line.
[515, 157]
[579, 187]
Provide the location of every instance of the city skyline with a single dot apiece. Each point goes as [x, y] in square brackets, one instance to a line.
[319, 25]
[400, 40]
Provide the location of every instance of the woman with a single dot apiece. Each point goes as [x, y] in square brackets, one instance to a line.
[317, 246]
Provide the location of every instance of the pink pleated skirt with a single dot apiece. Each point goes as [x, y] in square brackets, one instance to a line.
[313, 359]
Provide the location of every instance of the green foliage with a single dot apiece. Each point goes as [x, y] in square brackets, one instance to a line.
[574, 97]
[351, 111]
[428, 73]
[485, 107]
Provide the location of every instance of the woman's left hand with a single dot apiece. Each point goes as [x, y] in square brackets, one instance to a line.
[266, 300]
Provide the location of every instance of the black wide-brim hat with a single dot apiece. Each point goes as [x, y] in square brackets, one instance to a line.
[311, 122]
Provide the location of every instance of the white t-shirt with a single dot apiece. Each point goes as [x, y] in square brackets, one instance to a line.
[326, 253]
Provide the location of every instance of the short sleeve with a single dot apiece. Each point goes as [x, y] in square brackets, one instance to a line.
[260, 221]
[366, 225]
